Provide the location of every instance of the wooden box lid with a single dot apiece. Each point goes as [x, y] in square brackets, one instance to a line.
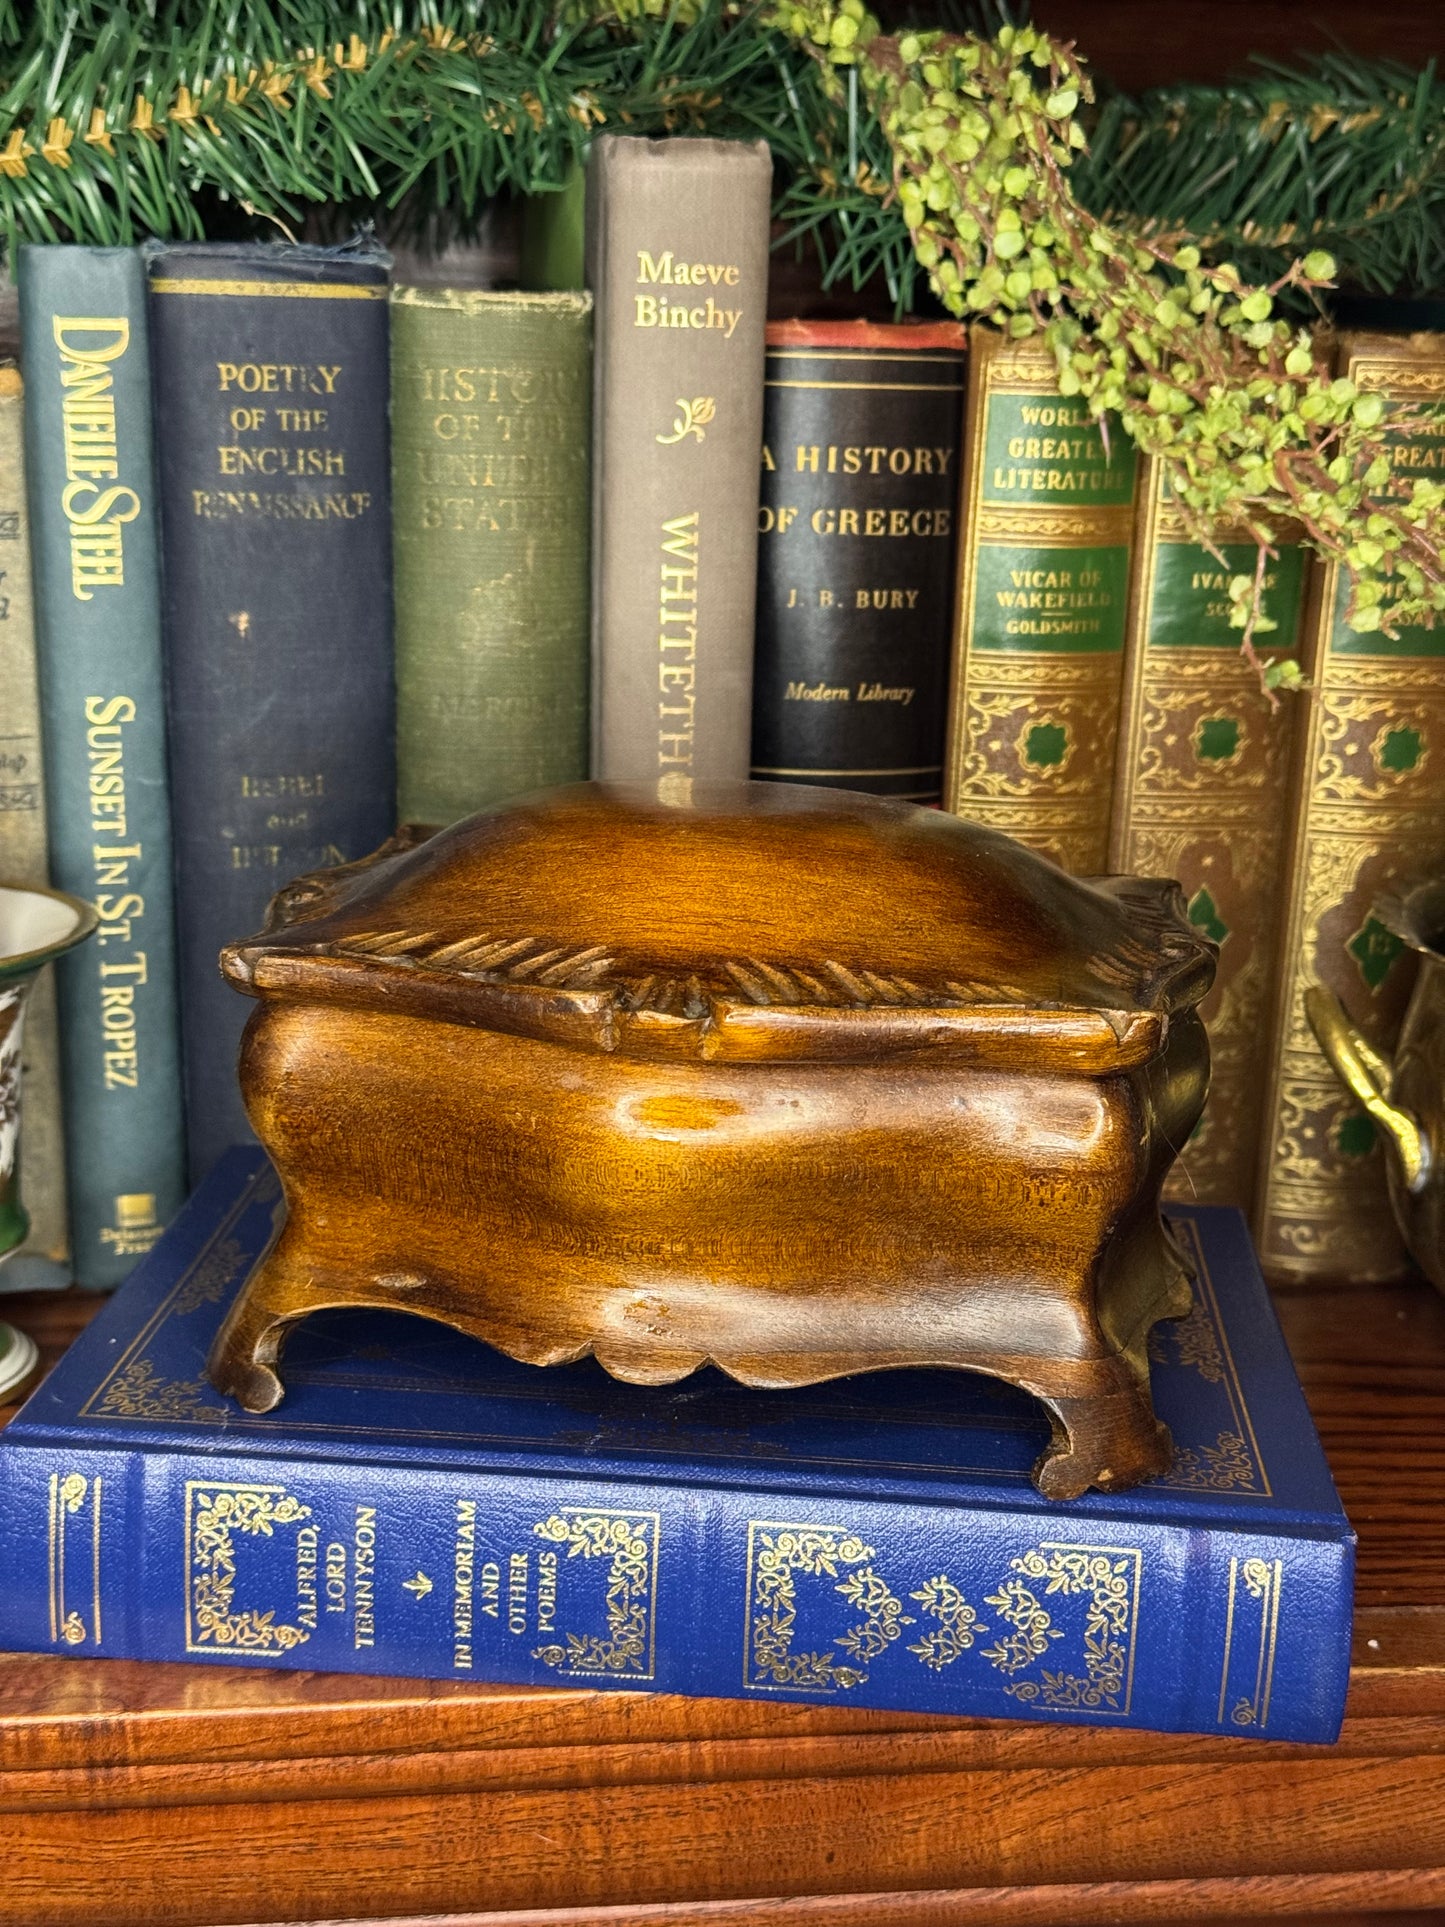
[757, 921]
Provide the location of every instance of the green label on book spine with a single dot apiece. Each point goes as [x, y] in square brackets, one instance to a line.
[1043, 599]
[1200, 795]
[1041, 447]
[1190, 596]
[1410, 639]
[1053, 599]
[1370, 808]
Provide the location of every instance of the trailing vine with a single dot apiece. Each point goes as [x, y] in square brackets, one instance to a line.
[1236, 401]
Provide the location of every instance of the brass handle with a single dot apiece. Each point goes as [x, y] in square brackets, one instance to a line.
[1366, 1075]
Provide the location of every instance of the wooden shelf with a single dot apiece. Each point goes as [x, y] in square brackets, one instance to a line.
[166, 1795]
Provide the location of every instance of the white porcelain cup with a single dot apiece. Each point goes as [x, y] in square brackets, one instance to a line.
[35, 925]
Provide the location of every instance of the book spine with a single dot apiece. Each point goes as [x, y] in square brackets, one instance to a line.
[23, 854]
[856, 559]
[228, 1559]
[490, 440]
[1199, 794]
[89, 465]
[1367, 803]
[678, 265]
[1042, 593]
[271, 427]
[554, 235]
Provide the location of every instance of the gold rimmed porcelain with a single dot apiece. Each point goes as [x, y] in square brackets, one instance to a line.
[36, 925]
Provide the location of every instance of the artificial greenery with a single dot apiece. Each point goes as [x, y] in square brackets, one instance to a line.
[1236, 402]
[958, 160]
[1342, 154]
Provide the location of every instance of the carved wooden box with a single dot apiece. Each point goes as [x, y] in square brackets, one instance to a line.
[793, 1080]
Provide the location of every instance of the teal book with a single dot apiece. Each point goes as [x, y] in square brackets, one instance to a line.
[90, 475]
[420, 1504]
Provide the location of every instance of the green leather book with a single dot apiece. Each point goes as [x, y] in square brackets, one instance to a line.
[1201, 794]
[91, 481]
[1366, 821]
[23, 849]
[490, 450]
[1047, 519]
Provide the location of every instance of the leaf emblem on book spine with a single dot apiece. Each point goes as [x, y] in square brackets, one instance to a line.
[692, 419]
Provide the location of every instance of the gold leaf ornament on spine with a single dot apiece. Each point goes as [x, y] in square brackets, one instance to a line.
[692, 419]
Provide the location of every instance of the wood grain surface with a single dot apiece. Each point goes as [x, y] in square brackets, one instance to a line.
[964, 1070]
[173, 1795]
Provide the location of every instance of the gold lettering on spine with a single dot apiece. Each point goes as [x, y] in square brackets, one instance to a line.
[464, 1561]
[122, 911]
[256, 451]
[652, 311]
[363, 1567]
[88, 344]
[677, 645]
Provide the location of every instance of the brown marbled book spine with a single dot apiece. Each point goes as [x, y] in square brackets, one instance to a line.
[1200, 792]
[1367, 800]
[677, 257]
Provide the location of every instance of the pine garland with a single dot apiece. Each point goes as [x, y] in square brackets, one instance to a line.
[1342, 154]
[1238, 406]
[945, 156]
[115, 117]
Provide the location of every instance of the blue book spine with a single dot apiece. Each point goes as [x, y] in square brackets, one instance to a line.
[237, 1557]
[271, 369]
[90, 471]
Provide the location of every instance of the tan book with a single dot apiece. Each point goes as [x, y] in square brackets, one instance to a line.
[1047, 520]
[22, 835]
[1367, 798]
[677, 257]
[1199, 794]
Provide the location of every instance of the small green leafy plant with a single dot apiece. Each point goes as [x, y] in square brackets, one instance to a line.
[1237, 402]
[950, 158]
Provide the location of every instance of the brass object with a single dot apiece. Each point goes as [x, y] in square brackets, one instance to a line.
[1405, 1095]
[799, 1082]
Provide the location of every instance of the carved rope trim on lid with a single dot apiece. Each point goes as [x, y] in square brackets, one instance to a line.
[538, 962]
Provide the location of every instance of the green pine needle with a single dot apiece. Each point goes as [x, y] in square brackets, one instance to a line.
[122, 118]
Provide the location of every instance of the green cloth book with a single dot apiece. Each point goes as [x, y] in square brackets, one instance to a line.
[491, 400]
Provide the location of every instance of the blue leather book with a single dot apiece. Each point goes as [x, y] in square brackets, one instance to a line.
[419, 1504]
[271, 384]
[91, 484]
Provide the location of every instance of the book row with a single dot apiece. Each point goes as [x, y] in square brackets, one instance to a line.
[312, 552]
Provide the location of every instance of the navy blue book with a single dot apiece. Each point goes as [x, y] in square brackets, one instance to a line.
[271, 383]
[421, 1505]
